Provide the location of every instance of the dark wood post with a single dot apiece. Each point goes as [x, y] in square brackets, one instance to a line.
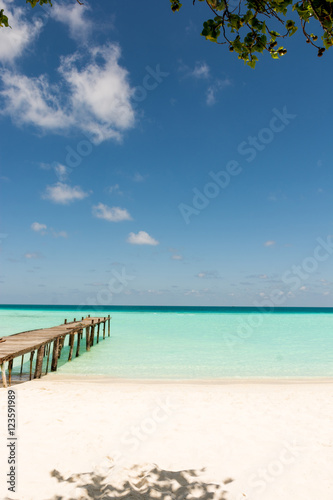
[65, 322]
[10, 367]
[92, 333]
[48, 358]
[3, 373]
[55, 355]
[22, 360]
[109, 325]
[71, 343]
[88, 338]
[79, 334]
[31, 360]
[98, 331]
[104, 326]
[39, 361]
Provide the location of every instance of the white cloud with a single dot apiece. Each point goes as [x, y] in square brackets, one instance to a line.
[63, 193]
[208, 275]
[115, 189]
[141, 238]
[201, 70]
[74, 17]
[32, 255]
[61, 171]
[177, 257]
[36, 226]
[59, 234]
[112, 214]
[93, 96]
[23, 33]
[214, 89]
[269, 243]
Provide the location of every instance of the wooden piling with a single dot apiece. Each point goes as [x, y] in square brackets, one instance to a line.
[109, 325]
[65, 322]
[71, 344]
[104, 326]
[88, 338]
[55, 355]
[39, 361]
[79, 335]
[61, 345]
[31, 360]
[48, 358]
[92, 333]
[98, 325]
[10, 367]
[22, 361]
[3, 374]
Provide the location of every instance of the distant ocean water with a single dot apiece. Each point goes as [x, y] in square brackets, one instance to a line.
[191, 342]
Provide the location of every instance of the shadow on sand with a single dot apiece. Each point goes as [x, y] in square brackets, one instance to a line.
[142, 483]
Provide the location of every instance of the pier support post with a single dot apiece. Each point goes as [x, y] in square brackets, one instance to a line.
[109, 325]
[98, 325]
[92, 333]
[104, 326]
[10, 367]
[3, 373]
[79, 334]
[39, 361]
[22, 361]
[31, 360]
[55, 355]
[88, 338]
[71, 343]
[48, 358]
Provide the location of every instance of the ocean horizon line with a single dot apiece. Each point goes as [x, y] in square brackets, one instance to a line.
[170, 308]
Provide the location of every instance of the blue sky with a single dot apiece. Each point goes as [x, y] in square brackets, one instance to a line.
[141, 164]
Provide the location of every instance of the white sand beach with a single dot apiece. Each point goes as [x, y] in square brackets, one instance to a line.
[82, 438]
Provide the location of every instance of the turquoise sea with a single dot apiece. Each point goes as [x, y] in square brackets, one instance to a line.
[192, 342]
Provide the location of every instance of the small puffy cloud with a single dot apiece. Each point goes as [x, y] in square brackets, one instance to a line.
[137, 177]
[111, 214]
[39, 228]
[214, 89]
[14, 41]
[59, 234]
[201, 70]
[269, 243]
[63, 193]
[141, 238]
[115, 189]
[177, 257]
[61, 171]
[74, 16]
[32, 255]
[208, 275]
[93, 96]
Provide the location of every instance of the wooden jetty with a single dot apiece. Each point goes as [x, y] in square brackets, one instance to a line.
[48, 340]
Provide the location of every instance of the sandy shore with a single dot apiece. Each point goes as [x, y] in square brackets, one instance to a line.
[80, 438]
